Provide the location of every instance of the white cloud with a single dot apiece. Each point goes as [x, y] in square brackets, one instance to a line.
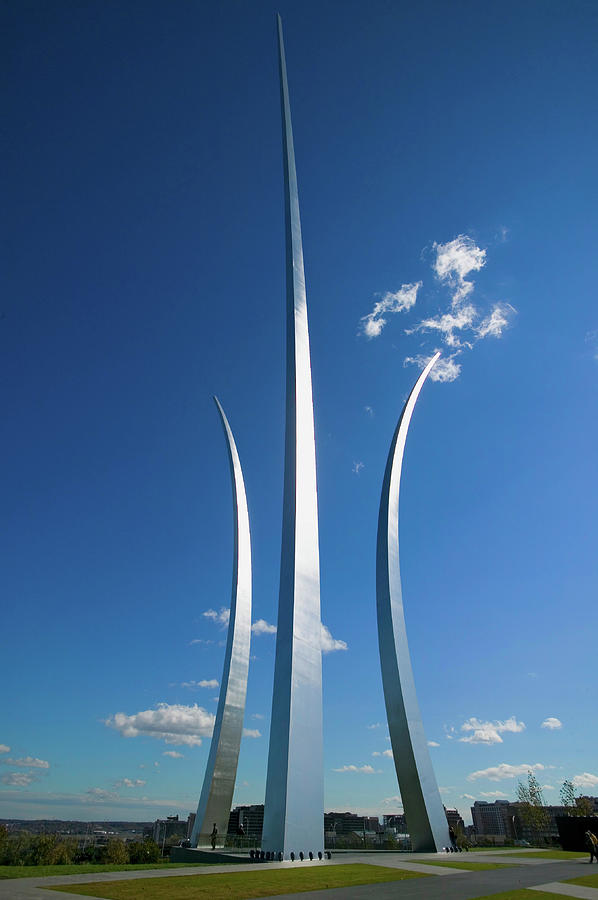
[375, 725]
[130, 782]
[592, 339]
[263, 627]
[448, 323]
[585, 780]
[445, 370]
[552, 723]
[100, 795]
[394, 801]
[357, 467]
[433, 744]
[257, 716]
[328, 643]
[399, 301]
[19, 779]
[222, 617]
[205, 683]
[383, 753]
[489, 732]
[454, 261]
[174, 754]
[494, 324]
[4, 748]
[369, 411]
[496, 794]
[365, 770]
[468, 797]
[504, 770]
[199, 641]
[173, 723]
[26, 762]
[251, 733]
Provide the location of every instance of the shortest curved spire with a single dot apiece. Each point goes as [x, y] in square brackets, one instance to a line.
[221, 771]
[423, 807]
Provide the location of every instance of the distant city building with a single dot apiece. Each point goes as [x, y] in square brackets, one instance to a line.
[347, 822]
[453, 817]
[490, 818]
[398, 822]
[171, 826]
[249, 818]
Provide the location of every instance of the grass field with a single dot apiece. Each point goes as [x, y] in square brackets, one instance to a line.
[585, 880]
[84, 869]
[241, 885]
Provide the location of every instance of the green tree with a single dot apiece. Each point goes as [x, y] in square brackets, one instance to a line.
[115, 852]
[532, 809]
[567, 793]
[146, 851]
[576, 804]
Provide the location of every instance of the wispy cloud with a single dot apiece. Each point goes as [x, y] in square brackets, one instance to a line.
[221, 617]
[505, 770]
[328, 643]
[433, 744]
[26, 762]
[19, 779]
[592, 340]
[172, 723]
[130, 782]
[357, 467]
[4, 748]
[445, 370]
[263, 627]
[454, 262]
[200, 641]
[257, 716]
[552, 723]
[174, 754]
[251, 733]
[204, 683]
[586, 779]
[369, 411]
[399, 301]
[375, 725]
[364, 770]
[489, 732]
[496, 794]
[459, 323]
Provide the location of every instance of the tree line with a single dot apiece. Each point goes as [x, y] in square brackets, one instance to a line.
[23, 849]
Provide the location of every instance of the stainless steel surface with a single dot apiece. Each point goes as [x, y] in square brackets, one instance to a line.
[423, 807]
[294, 809]
[221, 771]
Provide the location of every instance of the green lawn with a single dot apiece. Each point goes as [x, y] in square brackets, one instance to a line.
[241, 885]
[586, 880]
[83, 869]
[452, 863]
[552, 854]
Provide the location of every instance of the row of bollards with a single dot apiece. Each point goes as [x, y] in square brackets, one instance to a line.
[272, 856]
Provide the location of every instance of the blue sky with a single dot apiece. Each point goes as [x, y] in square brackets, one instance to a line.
[446, 164]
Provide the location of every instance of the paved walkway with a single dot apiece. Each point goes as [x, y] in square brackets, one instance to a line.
[462, 885]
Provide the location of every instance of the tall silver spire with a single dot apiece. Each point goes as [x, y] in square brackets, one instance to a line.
[419, 792]
[221, 771]
[294, 809]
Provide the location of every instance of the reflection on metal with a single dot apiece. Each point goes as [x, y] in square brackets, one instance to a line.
[219, 781]
[421, 799]
[294, 808]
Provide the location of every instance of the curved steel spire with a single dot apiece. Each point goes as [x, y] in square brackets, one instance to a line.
[423, 807]
[294, 808]
[221, 771]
